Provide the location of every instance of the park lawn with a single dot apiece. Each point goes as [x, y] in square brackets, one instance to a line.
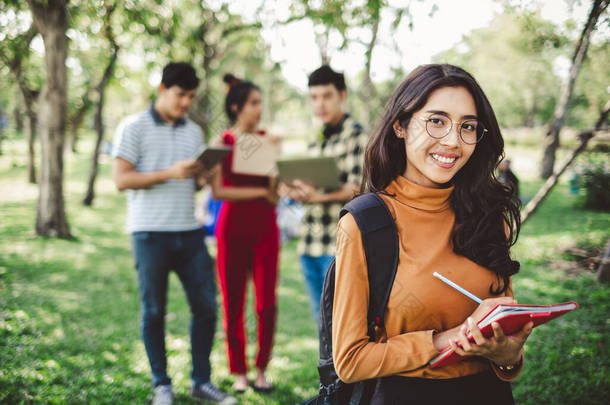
[69, 328]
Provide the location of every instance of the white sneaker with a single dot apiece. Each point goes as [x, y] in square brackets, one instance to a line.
[163, 395]
[209, 392]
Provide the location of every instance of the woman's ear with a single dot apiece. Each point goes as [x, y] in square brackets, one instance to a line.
[398, 130]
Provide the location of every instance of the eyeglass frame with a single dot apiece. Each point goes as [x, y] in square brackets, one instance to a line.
[427, 119]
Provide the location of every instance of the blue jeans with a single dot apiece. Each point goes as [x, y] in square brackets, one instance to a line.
[156, 253]
[314, 270]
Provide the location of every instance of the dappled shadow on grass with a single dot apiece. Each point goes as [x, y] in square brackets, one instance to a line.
[70, 324]
[69, 311]
[568, 360]
[68, 343]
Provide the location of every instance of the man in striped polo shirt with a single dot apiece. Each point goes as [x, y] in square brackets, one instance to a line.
[153, 162]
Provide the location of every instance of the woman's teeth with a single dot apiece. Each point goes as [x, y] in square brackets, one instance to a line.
[443, 159]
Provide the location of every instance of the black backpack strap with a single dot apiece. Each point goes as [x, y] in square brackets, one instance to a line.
[380, 241]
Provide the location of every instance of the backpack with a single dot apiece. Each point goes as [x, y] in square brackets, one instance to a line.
[380, 241]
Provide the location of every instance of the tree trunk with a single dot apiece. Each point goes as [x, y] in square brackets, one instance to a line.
[544, 191]
[51, 20]
[32, 124]
[603, 272]
[27, 97]
[77, 120]
[99, 125]
[74, 126]
[531, 114]
[99, 128]
[551, 139]
[369, 88]
[3, 122]
[30, 97]
[18, 114]
[202, 109]
[322, 42]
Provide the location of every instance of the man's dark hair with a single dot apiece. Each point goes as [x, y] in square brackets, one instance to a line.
[325, 75]
[179, 74]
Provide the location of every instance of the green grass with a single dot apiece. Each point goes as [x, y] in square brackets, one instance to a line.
[69, 310]
[568, 360]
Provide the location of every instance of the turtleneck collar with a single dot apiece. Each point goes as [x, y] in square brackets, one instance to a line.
[419, 197]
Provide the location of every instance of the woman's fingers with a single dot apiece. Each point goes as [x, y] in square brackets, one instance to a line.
[479, 339]
[498, 332]
[463, 339]
[524, 333]
[456, 348]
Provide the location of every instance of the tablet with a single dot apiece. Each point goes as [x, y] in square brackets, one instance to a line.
[319, 171]
[209, 156]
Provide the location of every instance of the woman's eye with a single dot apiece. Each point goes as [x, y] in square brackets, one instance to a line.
[436, 121]
[469, 126]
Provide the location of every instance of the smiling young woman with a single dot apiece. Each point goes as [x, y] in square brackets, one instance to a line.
[432, 161]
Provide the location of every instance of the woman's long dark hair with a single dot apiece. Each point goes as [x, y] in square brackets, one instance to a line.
[237, 94]
[485, 209]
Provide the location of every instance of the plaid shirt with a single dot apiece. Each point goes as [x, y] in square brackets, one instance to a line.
[319, 227]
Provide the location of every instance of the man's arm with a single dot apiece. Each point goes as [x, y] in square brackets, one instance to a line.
[126, 177]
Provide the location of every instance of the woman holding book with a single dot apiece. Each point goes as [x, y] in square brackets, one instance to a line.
[248, 239]
[432, 160]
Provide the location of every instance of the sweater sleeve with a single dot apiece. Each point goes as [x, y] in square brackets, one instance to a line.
[355, 357]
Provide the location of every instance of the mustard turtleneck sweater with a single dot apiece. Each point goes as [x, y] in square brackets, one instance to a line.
[419, 303]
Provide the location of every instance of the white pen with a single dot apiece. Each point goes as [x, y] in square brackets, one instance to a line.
[457, 287]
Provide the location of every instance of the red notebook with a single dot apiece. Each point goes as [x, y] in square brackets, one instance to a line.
[511, 318]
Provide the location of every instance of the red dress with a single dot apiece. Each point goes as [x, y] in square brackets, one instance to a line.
[248, 243]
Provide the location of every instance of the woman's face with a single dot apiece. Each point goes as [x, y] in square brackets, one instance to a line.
[432, 162]
[250, 114]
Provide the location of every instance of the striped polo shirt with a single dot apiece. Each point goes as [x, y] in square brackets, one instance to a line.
[152, 144]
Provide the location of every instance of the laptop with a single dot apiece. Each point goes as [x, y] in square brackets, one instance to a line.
[320, 172]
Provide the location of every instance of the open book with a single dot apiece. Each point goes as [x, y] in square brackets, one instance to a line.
[511, 318]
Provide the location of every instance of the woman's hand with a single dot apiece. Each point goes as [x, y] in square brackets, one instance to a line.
[275, 139]
[499, 348]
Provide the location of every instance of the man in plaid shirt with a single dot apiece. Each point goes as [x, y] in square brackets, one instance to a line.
[343, 138]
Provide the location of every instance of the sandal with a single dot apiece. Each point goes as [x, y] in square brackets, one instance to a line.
[263, 390]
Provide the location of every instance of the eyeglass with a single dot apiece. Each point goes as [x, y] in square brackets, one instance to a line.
[438, 126]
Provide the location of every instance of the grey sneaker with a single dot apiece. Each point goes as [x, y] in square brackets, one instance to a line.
[209, 392]
[163, 395]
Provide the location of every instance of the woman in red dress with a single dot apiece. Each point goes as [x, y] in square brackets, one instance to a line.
[248, 240]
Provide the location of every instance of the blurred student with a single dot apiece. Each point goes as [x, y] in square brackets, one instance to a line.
[248, 239]
[506, 176]
[152, 160]
[343, 138]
